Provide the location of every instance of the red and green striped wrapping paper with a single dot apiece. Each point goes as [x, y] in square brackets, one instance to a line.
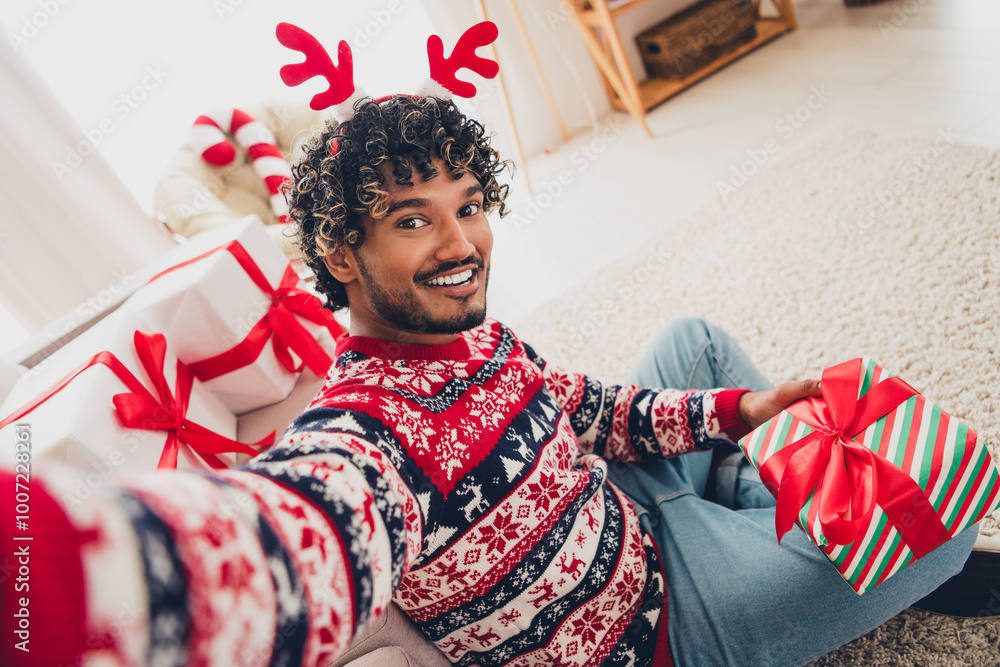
[936, 450]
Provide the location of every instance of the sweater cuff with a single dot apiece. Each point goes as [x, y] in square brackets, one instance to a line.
[42, 594]
[728, 413]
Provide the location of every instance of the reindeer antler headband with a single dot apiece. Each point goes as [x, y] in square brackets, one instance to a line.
[342, 93]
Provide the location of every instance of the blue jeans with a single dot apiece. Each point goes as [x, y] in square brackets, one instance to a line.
[736, 596]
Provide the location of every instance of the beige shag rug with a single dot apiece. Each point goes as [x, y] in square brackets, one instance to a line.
[856, 244]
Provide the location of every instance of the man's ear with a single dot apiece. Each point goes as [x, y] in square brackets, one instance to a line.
[342, 264]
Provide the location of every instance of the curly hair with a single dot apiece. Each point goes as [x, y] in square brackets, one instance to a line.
[334, 192]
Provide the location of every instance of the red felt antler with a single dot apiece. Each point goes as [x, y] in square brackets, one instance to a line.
[443, 70]
[317, 63]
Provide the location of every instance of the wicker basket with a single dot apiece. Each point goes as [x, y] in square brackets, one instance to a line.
[696, 36]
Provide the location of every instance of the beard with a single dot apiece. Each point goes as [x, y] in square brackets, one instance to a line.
[400, 308]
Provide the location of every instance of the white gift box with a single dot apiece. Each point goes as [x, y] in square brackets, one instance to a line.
[208, 307]
[9, 374]
[79, 426]
[256, 425]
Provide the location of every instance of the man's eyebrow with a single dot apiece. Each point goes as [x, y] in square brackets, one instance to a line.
[419, 202]
[406, 203]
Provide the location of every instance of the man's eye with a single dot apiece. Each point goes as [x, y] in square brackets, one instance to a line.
[411, 223]
[469, 209]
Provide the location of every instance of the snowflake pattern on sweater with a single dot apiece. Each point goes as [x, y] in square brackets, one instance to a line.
[466, 482]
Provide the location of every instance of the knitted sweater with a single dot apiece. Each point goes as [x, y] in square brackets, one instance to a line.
[467, 482]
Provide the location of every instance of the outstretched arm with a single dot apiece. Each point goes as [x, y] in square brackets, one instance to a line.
[280, 562]
[633, 423]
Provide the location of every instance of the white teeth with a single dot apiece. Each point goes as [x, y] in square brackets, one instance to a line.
[456, 279]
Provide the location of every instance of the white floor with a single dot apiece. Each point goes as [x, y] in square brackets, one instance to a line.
[912, 66]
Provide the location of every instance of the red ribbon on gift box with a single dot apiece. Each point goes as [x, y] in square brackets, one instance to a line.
[279, 324]
[165, 411]
[845, 478]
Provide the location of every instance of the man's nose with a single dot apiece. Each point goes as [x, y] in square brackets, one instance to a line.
[454, 242]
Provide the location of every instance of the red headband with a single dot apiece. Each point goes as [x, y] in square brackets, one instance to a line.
[342, 94]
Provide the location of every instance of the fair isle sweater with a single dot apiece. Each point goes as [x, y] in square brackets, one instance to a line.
[467, 482]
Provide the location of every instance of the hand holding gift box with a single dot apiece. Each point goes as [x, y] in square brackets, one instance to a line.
[873, 472]
[115, 401]
[231, 308]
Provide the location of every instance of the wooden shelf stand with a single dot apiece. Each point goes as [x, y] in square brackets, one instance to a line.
[596, 23]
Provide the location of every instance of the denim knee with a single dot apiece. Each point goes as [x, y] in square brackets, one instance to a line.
[961, 546]
[684, 336]
[686, 328]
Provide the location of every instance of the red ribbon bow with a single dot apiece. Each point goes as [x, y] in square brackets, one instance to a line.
[141, 409]
[846, 479]
[280, 323]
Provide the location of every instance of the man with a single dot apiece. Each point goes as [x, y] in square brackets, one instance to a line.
[518, 513]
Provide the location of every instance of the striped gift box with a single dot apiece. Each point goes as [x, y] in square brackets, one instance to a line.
[939, 452]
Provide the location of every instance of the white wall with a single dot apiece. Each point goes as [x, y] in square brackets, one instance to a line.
[65, 234]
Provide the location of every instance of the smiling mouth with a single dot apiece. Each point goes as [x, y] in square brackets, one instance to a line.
[461, 278]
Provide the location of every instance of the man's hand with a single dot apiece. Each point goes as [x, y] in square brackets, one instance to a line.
[756, 407]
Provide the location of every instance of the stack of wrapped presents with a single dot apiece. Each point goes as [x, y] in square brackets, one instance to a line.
[195, 370]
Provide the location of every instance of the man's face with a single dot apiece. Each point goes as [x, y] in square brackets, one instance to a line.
[420, 276]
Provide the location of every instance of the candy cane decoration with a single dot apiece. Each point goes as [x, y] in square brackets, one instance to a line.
[210, 137]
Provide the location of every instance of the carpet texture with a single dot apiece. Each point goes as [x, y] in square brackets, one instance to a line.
[855, 244]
